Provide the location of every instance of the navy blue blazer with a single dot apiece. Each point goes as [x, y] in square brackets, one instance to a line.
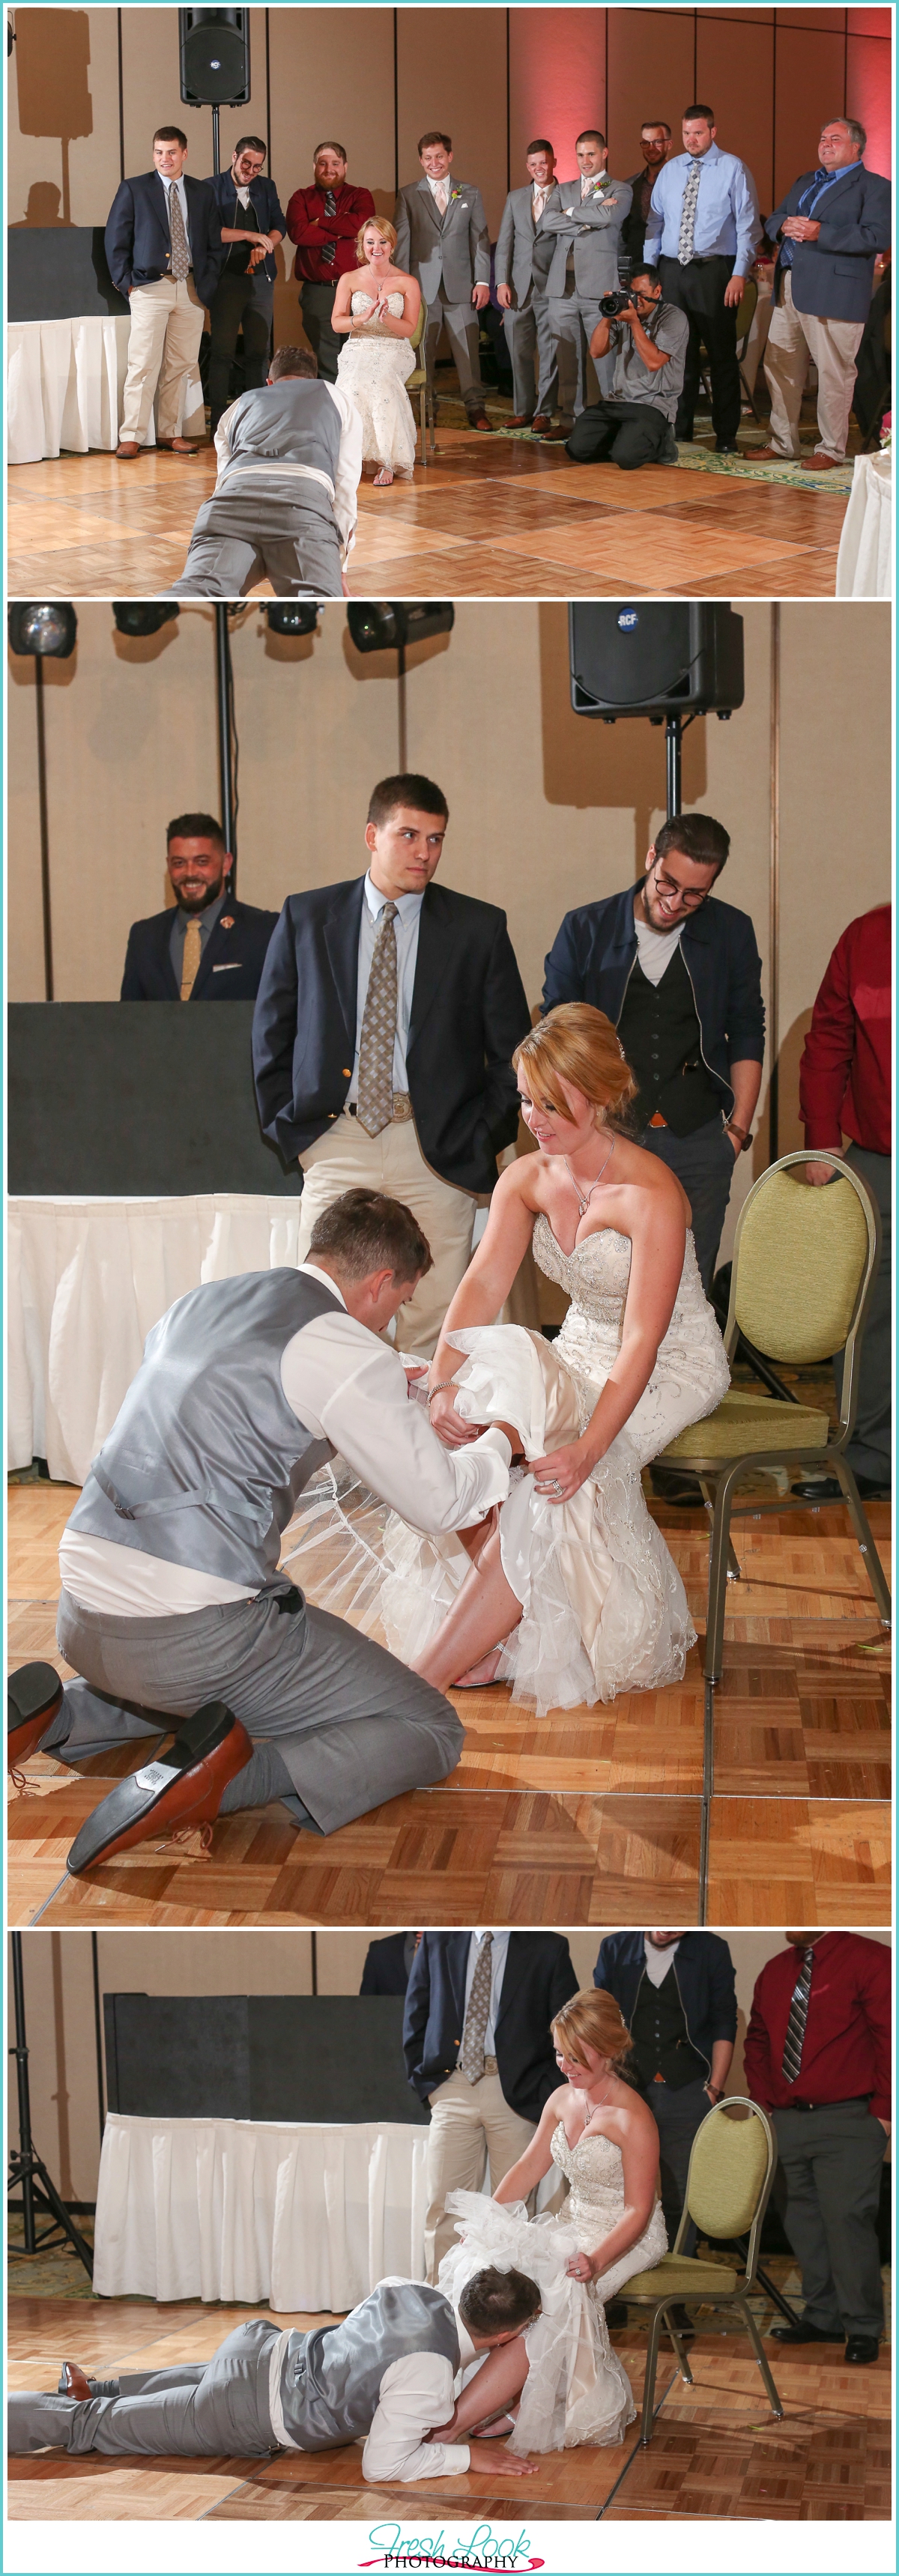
[593, 953]
[469, 1012]
[139, 243]
[230, 965]
[704, 1971]
[834, 276]
[385, 1971]
[264, 201]
[539, 1979]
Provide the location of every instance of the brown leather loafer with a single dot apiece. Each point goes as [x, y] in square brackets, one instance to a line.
[559, 433]
[33, 1699]
[72, 2382]
[542, 421]
[823, 464]
[129, 449]
[479, 420]
[521, 420]
[769, 456]
[183, 1787]
[177, 446]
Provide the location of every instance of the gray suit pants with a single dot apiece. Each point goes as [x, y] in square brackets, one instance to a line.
[213, 2409]
[463, 332]
[338, 1724]
[831, 2162]
[870, 1451]
[240, 538]
[572, 322]
[528, 335]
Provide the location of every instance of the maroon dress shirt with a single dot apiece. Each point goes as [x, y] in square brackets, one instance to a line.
[353, 207]
[846, 2047]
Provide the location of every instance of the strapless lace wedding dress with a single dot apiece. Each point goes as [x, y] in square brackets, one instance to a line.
[576, 2390]
[372, 368]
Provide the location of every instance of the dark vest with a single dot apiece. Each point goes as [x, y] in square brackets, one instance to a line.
[659, 2036]
[243, 220]
[661, 1037]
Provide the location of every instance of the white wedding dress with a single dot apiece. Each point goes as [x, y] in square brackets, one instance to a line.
[575, 2390]
[372, 368]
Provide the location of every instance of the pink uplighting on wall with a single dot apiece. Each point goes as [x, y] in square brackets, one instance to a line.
[868, 89]
[557, 79]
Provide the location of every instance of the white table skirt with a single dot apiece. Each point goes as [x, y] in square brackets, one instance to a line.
[64, 387]
[301, 2216]
[86, 1279]
[865, 559]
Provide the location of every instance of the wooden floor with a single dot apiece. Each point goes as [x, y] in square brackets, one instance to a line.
[490, 517]
[716, 2451]
[583, 1817]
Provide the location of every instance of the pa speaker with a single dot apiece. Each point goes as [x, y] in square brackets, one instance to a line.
[215, 57]
[666, 657]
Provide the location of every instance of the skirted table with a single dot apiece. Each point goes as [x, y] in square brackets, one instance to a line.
[64, 387]
[300, 2216]
[865, 559]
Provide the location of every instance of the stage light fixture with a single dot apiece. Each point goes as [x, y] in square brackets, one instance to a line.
[142, 616]
[292, 617]
[43, 627]
[377, 625]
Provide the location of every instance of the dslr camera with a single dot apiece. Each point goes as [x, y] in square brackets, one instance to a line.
[617, 300]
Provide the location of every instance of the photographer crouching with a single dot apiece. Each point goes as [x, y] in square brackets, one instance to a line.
[649, 341]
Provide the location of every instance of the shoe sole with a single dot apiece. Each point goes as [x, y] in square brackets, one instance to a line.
[33, 1699]
[184, 1789]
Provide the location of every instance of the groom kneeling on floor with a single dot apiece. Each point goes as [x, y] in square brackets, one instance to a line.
[388, 2372]
[173, 1606]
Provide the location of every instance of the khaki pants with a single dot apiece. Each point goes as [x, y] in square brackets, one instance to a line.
[163, 348]
[469, 2122]
[794, 338]
[346, 1158]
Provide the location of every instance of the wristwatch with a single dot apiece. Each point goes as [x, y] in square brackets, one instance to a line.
[742, 1133]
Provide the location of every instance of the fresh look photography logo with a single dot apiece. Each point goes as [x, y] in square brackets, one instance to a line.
[483, 2549]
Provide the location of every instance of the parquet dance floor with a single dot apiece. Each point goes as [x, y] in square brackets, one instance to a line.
[588, 1816]
[489, 517]
[716, 2451]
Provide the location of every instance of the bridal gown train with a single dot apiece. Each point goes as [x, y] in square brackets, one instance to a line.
[575, 2390]
[372, 369]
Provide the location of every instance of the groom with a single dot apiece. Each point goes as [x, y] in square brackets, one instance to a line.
[388, 2372]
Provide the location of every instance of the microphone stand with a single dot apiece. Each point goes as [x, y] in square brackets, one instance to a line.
[26, 2167]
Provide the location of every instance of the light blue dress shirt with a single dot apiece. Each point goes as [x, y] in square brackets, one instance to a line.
[498, 1964]
[408, 914]
[182, 192]
[727, 224]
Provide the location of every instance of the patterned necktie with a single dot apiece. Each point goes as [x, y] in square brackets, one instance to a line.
[792, 2056]
[471, 2053]
[441, 196]
[190, 963]
[688, 215]
[180, 252]
[374, 1107]
[329, 248]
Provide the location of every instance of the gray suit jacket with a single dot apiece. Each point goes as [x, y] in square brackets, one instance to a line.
[453, 255]
[594, 229]
[523, 251]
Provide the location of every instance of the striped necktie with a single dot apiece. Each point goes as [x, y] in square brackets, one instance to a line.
[329, 248]
[688, 214]
[792, 2056]
[180, 252]
[374, 1107]
[471, 2053]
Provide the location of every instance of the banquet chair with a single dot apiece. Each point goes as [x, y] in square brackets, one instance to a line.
[745, 319]
[731, 2171]
[418, 384]
[804, 1266]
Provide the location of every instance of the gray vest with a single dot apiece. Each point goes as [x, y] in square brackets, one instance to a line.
[292, 422]
[331, 2378]
[206, 1458]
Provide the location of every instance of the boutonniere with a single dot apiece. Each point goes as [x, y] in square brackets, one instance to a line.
[227, 921]
[454, 196]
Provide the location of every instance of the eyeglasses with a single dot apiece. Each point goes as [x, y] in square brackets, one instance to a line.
[668, 885]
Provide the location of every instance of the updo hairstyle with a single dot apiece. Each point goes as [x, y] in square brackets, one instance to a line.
[592, 2018]
[375, 224]
[579, 1045]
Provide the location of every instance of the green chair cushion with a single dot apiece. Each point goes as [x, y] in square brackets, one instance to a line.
[800, 1261]
[677, 2277]
[745, 1424]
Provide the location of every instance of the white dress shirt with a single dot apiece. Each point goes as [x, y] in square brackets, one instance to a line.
[408, 916]
[345, 1386]
[658, 1962]
[499, 1955]
[247, 466]
[168, 185]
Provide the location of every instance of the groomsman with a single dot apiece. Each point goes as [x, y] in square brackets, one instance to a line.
[523, 255]
[388, 1013]
[323, 221]
[164, 251]
[478, 2049]
[655, 145]
[586, 215]
[442, 239]
[703, 233]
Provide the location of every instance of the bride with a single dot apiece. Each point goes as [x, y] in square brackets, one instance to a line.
[572, 1595]
[378, 308]
[604, 2140]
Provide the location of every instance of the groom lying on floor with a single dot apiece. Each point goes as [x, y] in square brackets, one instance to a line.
[172, 1605]
[388, 2372]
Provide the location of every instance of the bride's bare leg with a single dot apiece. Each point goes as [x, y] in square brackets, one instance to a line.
[493, 2388]
[484, 1612]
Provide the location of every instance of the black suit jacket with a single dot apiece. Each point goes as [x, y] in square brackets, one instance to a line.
[139, 243]
[539, 1979]
[469, 1012]
[230, 965]
[385, 1971]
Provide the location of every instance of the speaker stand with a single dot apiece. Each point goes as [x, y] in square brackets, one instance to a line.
[675, 728]
[216, 164]
[25, 2165]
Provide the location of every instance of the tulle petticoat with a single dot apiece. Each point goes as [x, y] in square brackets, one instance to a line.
[576, 2390]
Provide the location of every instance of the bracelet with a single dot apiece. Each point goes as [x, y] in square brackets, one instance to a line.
[438, 1389]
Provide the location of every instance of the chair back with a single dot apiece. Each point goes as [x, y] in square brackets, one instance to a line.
[746, 314]
[420, 328]
[731, 2171]
[804, 1265]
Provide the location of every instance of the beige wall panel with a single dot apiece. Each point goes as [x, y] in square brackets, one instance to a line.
[451, 74]
[809, 71]
[24, 918]
[249, 119]
[318, 726]
[734, 72]
[650, 74]
[151, 80]
[868, 71]
[64, 93]
[332, 75]
[557, 80]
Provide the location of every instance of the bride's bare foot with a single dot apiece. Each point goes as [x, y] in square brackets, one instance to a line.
[385, 476]
[479, 1674]
[493, 2431]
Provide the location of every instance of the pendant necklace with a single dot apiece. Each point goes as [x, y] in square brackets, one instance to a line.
[583, 1203]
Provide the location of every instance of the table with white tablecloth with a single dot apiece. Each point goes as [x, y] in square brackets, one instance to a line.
[298, 2216]
[64, 385]
[865, 559]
